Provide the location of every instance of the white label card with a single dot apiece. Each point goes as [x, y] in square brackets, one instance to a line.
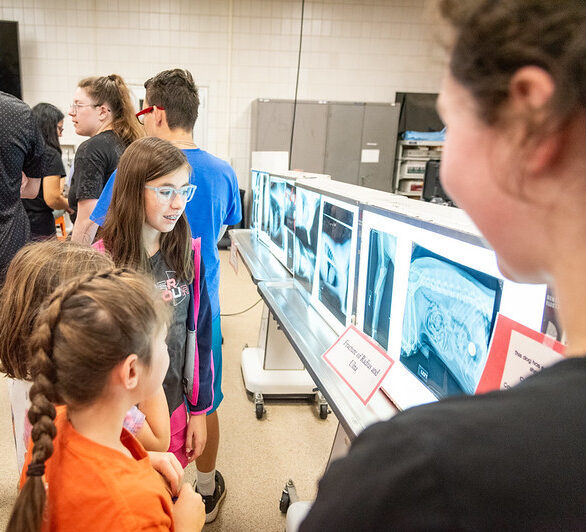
[359, 362]
[370, 156]
[526, 357]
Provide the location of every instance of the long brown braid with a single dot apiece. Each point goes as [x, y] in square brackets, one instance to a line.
[84, 329]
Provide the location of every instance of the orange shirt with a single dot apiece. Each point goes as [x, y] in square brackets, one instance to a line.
[93, 487]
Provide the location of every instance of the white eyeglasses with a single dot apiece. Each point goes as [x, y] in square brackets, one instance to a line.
[75, 106]
[166, 194]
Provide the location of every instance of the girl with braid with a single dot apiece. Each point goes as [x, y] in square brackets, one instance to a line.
[146, 229]
[99, 348]
[35, 271]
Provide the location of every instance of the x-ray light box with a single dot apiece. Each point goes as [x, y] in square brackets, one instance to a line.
[431, 299]
[333, 287]
[307, 220]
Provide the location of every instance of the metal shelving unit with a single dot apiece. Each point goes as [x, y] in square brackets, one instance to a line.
[410, 165]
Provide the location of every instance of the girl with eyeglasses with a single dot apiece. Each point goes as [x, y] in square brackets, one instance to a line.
[102, 110]
[50, 197]
[146, 228]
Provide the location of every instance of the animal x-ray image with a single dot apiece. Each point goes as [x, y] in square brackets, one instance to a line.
[450, 313]
[307, 205]
[289, 208]
[379, 286]
[277, 212]
[334, 270]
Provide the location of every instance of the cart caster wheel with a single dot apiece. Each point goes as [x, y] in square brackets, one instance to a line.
[323, 411]
[284, 502]
[259, 405]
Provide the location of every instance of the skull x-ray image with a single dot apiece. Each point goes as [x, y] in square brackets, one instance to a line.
[379, 286]
[450, 313]
[277, 212]
[307, 205]
[334, 270]
[289, 208]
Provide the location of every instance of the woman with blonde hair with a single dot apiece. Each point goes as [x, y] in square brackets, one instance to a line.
[102, 110]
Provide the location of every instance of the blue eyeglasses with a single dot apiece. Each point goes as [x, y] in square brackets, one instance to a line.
[166, 194]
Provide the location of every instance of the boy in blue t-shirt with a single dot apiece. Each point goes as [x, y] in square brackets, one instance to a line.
[169, 112]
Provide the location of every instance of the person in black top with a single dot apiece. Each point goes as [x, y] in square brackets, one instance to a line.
[514, 103]
[40, 209]
[102, 110]
[21, 150]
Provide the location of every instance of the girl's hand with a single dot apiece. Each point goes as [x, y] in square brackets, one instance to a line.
[169, 467]
[197, 434]
[189, 512]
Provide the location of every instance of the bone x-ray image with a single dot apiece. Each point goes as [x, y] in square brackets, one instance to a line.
[289, 225]
[265, 202]
[379, 286]
[450, 313]
[334, 270]
[307, 205]
[255, 185]
[276, 212]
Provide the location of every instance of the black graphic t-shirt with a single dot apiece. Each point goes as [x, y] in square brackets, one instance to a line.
[94, 162]
[176, 293]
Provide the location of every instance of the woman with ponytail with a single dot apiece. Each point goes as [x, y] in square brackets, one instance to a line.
[99, 348]
[102, 110]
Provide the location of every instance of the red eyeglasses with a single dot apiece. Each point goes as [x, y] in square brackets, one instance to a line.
[146, 110]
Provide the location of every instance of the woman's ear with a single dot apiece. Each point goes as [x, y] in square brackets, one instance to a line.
[128, 372]
[103, 112]
[531, 90]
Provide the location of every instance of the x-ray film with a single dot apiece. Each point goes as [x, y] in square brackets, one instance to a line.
[256, 187]
[379, 286]
[289, 224]
[277, 212]
[307, 205]
[450, 312]
[334, 270]
[265, 202]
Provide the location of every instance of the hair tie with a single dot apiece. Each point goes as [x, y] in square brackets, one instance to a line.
[35, 470]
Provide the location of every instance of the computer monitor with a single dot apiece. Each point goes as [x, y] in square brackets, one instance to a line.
[307, 219]
[10, 80]
[432, 187]
[444, 296]
[334, 290]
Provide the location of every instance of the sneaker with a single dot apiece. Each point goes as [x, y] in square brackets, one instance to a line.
[212, 502]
